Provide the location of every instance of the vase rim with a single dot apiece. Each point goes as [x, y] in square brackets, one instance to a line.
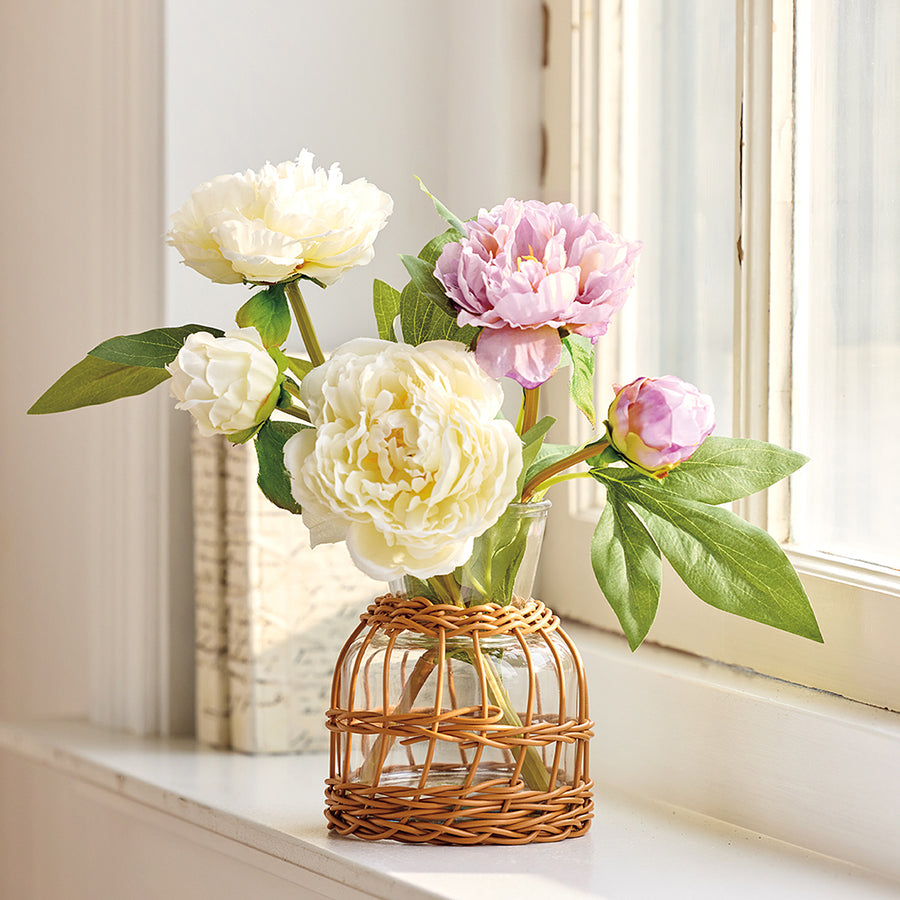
[534, 506]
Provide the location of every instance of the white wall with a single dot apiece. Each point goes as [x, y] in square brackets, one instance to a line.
[447, 91]
[49, 151]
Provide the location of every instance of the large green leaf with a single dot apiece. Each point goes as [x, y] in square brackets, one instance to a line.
[386, 303]
[725, 469]
[94, 381]
[724, 560]
[274, 479]
[154, 349]
[268, 312]
[579, 353]
[627, 567]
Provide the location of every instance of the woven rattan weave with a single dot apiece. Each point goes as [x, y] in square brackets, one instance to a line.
[431, 741]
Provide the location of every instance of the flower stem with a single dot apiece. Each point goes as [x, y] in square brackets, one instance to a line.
[561, 466]
[296, 413]
[530, 408]
[534, 772]
[446, 589]
[544, 486]
[375, 760]
[304, 323]
[291, 388]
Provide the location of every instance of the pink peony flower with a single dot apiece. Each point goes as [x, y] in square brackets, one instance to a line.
[527, 269]
[658, 423]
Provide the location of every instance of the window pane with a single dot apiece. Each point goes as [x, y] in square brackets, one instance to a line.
[847, 278]
[679, 191]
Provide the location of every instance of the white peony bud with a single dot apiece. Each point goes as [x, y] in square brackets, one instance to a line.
[228, 384]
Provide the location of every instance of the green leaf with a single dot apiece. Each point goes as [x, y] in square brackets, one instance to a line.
[314, 280]
[454, 221]
[506, 562]
[608, 455]
[497, 555]
[386, 302]
[94, 381]
[725, 469]
[423, 320]
[725, 561]
[300, 367]
[274, 479]
[268, 312]
[432, 250]
[416, 587]
[620, 475]
[627, 567]
[580, 353]
[241, 437]
[547, 455]
[422, 274]
[532, 441]
[153, 349]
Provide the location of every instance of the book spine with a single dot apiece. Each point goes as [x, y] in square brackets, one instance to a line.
[211, 656]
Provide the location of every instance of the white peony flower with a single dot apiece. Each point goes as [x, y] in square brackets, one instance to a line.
[284, 220]
[407, 461]
[227, 384]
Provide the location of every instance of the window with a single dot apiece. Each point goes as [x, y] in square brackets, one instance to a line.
[753, 147]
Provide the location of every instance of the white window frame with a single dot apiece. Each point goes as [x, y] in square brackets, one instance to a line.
[857, 605]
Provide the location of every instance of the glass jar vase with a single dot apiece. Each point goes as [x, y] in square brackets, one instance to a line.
[464, 724]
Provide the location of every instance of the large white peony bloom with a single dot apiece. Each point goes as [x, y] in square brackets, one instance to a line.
[227, 384]
[284, 220]
[407, 461]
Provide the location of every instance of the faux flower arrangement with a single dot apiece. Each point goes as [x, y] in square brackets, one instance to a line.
[396, 445]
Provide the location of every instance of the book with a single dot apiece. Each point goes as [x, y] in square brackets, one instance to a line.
[272, 612]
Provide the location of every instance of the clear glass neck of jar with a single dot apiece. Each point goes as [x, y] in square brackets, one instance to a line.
[501, 569]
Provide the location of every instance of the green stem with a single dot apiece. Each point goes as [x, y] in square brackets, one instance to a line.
[534, 772]
[296, 413]
[446, 589]
[530, 408]
[471, 577]
[294, 391]
[566, 463]
[304, 323]
[291, 388]
[544, 486]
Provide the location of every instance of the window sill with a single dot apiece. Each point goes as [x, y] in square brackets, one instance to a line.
[813, 771]
[800, 765]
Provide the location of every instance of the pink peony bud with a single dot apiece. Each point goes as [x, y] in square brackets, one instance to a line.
[659, 422]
